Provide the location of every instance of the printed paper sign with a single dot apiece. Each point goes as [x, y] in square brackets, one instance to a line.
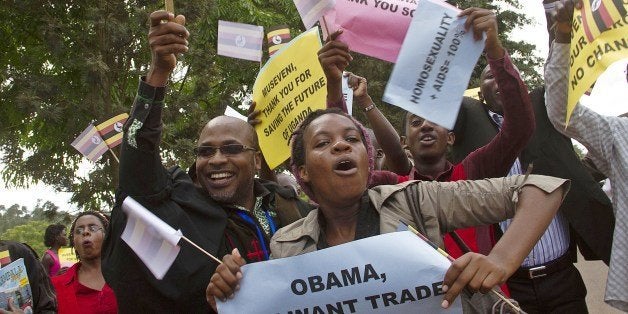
[434, 65]
[290, 86]
[587, 60]
[391, 273]
[67, 256]
[375, 28]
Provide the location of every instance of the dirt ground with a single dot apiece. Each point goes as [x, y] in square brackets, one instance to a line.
[594, 276]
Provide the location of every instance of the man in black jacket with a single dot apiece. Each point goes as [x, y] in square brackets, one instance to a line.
[222, 209]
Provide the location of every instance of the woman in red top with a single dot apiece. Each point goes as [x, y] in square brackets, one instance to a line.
[82, 289]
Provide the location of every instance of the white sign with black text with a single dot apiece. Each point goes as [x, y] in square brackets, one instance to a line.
[390, 273]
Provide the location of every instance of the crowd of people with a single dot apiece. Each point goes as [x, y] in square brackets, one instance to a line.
[503, 192]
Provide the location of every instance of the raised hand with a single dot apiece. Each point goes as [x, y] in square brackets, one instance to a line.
[167, 37]
[484, 21]
[359, 86]
[562, 16]
[334, 57]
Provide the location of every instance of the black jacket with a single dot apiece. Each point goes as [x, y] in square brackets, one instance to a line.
[172, 196]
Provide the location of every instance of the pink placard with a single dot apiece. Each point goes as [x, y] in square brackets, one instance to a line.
[375, 28]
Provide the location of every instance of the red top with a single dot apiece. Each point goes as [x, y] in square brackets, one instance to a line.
[73, 297]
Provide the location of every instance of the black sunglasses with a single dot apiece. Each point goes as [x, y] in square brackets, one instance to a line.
[228, 149]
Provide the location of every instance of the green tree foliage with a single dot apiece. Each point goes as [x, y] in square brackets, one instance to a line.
[13, 216]
[17, 215]
[31, 233]
[67, 63]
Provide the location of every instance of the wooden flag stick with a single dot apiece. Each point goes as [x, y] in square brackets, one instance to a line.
[442, 252]
[326, 27]
[170, 6]
[114, 155]
[201, 249]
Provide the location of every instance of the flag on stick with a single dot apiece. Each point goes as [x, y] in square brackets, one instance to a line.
[312, 10]
[599, 15]
[451, 259]
[154, 241]
[242, 41]
[170, 6]
[111, 130]
[277, 37]
[90, 144]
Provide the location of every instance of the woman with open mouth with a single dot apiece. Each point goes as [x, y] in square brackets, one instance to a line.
[332, 159]
[82, 289]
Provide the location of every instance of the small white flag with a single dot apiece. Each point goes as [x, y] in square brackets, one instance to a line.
[242, 41]
[153, 240]
[347, 93]
[234, 113]
[312, 10]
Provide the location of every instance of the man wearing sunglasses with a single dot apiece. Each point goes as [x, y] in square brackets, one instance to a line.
[220, 207]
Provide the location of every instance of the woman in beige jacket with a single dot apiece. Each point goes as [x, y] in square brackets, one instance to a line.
[332, 159]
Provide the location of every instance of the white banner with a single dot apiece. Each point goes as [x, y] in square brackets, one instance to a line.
[391, 273]
[434, 64]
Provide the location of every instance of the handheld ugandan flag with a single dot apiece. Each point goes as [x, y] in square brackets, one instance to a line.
[242, 41]
[600, 15]
[277, 37]
[111, 130]
[152, 240]
[90, 144]
[5, 258]
[312, 10]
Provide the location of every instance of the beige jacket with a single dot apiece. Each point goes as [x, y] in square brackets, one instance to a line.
[434, 208]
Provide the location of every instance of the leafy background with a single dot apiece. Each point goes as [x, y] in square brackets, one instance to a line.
[64, 64]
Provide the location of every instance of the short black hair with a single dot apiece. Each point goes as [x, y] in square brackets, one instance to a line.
[51, 234]
[298, 146]
[297, 152]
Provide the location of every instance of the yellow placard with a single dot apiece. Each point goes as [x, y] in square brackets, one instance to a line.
[588, 60]
[473, 93]
[290, 86]
[67, 257]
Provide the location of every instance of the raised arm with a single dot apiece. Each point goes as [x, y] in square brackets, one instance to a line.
[593, 130]
[334, 58]
[495, 158]
[141, 171]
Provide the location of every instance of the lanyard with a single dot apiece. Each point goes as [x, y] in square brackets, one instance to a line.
[245, 216]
